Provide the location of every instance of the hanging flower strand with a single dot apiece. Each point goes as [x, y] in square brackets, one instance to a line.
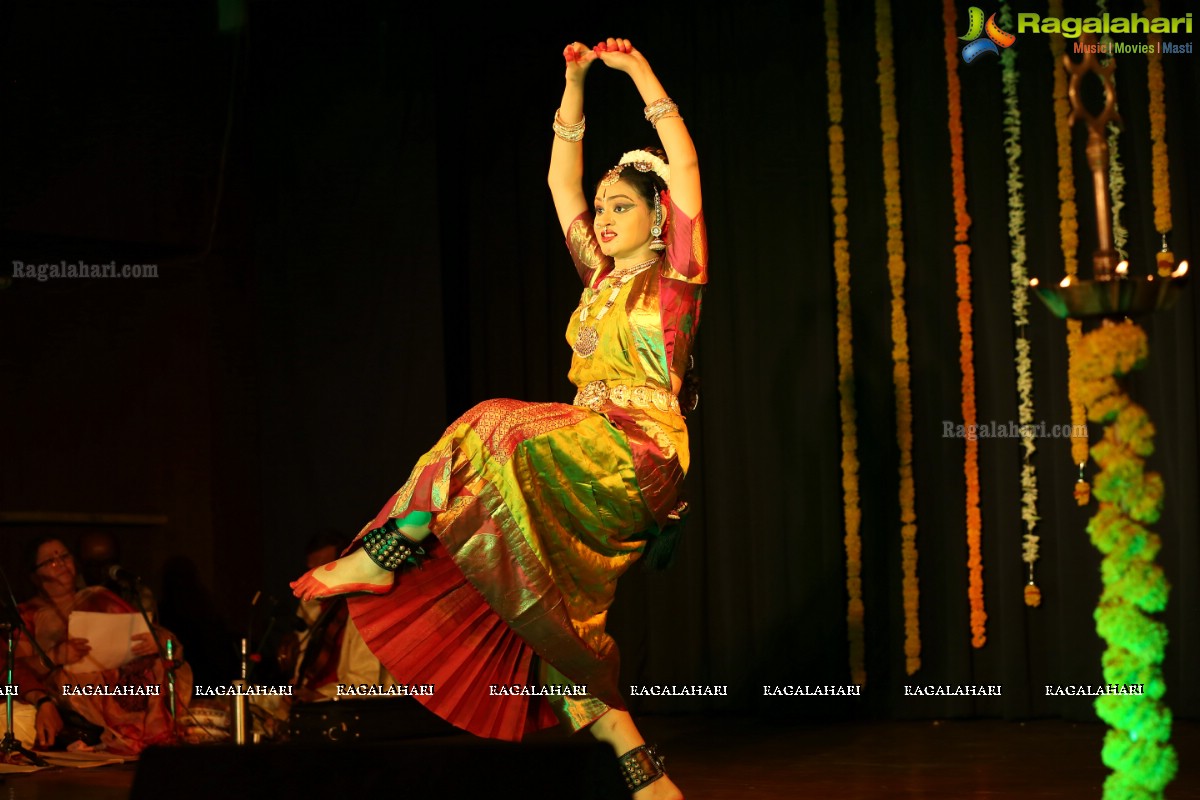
[1116, 185]
[1116, 172]
[845, 350]
[966, 343]
[1158, 148]
[1137, 746]
[1069, 239]
[1020, 309]
[901, 375]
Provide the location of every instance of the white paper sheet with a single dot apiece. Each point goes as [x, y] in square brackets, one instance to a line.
[81, 759]
[110, 636]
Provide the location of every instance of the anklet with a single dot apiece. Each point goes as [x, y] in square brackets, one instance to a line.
[390, 549]
[642, 766]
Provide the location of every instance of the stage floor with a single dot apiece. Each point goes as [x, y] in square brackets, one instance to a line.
[723, 758]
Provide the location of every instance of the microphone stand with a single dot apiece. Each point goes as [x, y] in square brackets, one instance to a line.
[243, 725]
[9, 743]
[264, 638]
[247, 644]
[167, 656]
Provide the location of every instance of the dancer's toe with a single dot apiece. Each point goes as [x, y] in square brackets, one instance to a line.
[311, 587]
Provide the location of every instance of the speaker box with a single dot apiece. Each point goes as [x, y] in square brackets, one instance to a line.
[575, 768]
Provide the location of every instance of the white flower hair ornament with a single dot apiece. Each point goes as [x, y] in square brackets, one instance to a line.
[642, 161]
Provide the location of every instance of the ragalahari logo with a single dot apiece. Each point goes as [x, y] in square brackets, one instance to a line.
[995, 41]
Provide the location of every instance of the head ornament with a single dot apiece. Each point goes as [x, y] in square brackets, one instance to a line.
[642, 161]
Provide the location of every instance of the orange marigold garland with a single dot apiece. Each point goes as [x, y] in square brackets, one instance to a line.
[966, 344]
[901, 374]
[845, 350]
[1069, 239]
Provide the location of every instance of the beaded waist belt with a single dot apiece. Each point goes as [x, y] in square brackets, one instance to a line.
[595, 394]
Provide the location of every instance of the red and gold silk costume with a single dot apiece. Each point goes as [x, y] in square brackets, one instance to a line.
[538, 509]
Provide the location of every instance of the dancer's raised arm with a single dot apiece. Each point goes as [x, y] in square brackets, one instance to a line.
[566, 156]
[620, 55]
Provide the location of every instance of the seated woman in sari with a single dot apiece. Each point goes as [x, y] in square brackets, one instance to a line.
[130, 701]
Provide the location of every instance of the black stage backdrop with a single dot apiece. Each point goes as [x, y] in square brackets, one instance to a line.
[346, 203]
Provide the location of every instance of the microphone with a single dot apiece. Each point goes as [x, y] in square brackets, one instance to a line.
[118, 573]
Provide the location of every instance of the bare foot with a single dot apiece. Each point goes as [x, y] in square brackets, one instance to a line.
[661, 789]
[355, 573]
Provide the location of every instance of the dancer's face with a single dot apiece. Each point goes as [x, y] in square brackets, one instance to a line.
[55, 568]
[623, 220]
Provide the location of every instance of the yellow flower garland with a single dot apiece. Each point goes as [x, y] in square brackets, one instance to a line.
[901, 375]
[1137, 746]
[1069, 238]
[966, 346]
[841, 267]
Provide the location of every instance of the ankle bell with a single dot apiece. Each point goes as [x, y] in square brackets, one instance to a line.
[642, 766]
[390, 549]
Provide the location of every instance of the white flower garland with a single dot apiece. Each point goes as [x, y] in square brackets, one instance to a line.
[659, 166]
[1020, 301]
[1116, 185]
[1116, 172]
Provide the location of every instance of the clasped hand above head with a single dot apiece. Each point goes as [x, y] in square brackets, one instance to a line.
[616, 53]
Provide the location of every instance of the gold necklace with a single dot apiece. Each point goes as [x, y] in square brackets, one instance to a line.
[587, 338]
[620, 273]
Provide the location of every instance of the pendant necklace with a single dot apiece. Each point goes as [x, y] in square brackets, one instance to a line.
[587, 339]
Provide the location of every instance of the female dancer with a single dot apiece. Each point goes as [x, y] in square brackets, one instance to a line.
[536, 509]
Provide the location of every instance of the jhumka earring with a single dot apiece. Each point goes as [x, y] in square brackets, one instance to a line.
[657, 243]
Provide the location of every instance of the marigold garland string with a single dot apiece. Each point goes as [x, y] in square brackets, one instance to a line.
[845, 350]
[901, 375]
[1069, 239]
[966, 343]
[1020, 309]
[1137, 746]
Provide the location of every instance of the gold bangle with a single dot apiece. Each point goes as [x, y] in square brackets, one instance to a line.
[569, 133]
[660, 109]
[672, 115]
